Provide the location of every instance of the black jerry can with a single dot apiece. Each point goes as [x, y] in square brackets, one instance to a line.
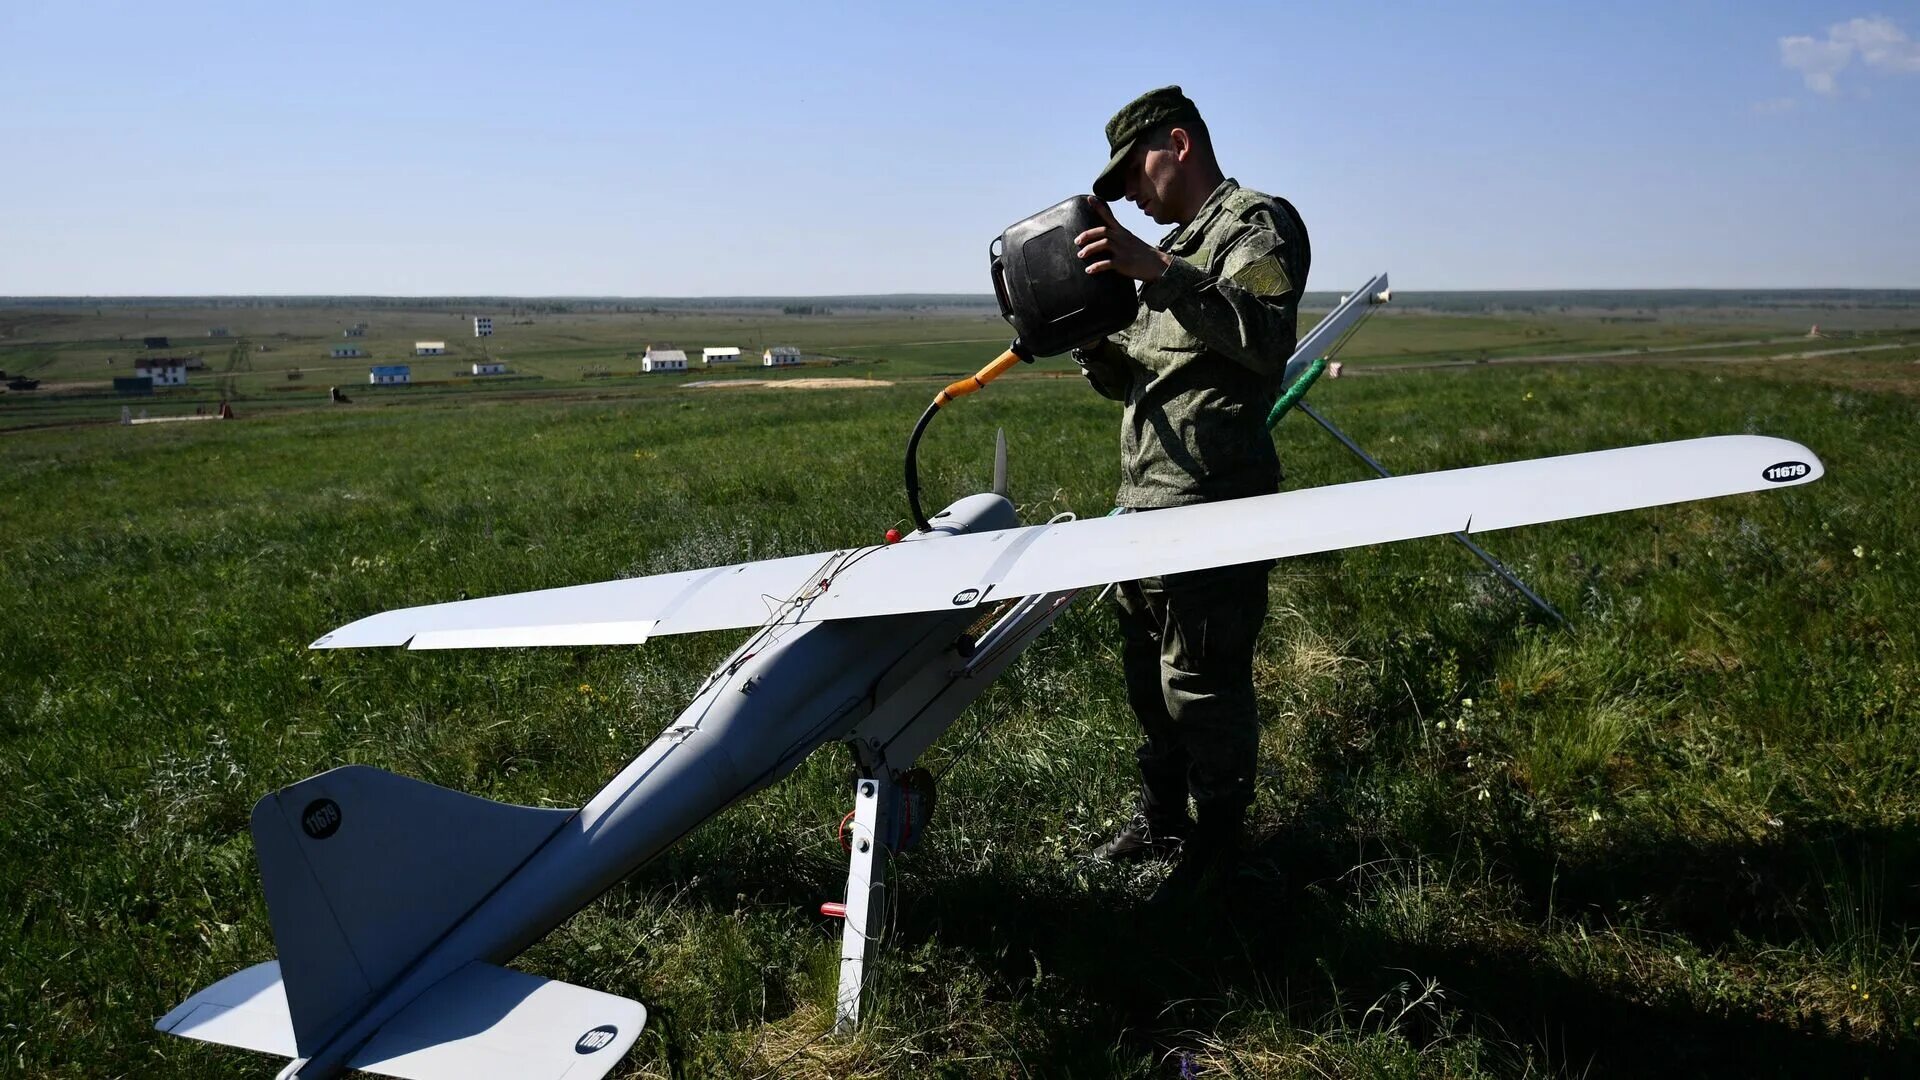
[1043, 285]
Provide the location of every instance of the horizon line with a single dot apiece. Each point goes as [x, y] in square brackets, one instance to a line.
[984, 298]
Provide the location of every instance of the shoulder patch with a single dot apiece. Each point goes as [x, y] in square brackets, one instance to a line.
[1257, 263]
[1264, 276]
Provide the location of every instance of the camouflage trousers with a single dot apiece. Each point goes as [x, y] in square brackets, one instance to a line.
[1187, 650]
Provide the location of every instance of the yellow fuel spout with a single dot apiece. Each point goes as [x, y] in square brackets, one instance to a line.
[978, 380]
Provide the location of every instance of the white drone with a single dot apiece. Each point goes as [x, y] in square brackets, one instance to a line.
[395, 904]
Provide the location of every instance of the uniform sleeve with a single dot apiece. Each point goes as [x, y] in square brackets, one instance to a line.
[1106, 367]
[1249, 312]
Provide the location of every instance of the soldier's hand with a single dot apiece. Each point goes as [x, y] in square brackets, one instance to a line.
[1112, 247]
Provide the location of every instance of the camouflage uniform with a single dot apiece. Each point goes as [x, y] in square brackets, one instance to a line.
[1198, 371]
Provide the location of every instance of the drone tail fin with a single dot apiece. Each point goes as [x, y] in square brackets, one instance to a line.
[364, 871]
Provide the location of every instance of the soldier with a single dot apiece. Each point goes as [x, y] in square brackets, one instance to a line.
[1198, 371]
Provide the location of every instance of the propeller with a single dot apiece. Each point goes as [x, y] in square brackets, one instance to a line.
[1000, 463]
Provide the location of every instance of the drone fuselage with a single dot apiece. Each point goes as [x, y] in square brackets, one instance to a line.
[790, 688]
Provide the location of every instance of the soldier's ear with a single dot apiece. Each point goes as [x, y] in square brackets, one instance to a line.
[1180, 141]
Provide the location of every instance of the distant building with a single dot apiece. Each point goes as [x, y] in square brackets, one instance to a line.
[356, 330]
[154, 343]
[726, 355]
[663, 360]
[483, 326]
[162, 370]
[390, 374]
[217, 331]
[429, 348]
[342, 352]
[489, 367]
[780, 356]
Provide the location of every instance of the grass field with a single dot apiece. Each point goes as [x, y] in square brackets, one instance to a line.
[1683, 838]
[277, 358]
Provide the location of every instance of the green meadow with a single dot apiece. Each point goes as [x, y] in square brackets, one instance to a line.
[1680, 838]
[277, 354]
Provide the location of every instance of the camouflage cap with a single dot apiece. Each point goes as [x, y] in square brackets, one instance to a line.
[1137, 118]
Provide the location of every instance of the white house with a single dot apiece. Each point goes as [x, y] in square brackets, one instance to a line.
[483, 326]
[429, 348]
[489, 367]
[390, 374]
[663, 360]
[356, 330]
[163, 370]
[725, 355]
[341, 352]
[780, 356]
[217, 331]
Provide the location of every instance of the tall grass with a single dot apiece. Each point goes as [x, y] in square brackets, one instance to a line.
[1488, 847]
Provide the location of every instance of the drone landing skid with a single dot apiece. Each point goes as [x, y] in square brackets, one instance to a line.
[890, 799]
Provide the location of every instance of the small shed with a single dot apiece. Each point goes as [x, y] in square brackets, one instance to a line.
[483, 326]
[489, 367]
[726, 354]
[663, 360]
[780, 356]
[429, 348]
[390, 374]
[162, 370]
[218, 331]
[341, 352]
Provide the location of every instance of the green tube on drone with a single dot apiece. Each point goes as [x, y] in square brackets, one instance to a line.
[1297, 391]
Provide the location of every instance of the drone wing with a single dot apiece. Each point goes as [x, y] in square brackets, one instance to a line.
[624, 612]
[1077, 554]
[964, 570]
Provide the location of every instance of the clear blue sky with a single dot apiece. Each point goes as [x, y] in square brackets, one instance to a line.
[708, 148]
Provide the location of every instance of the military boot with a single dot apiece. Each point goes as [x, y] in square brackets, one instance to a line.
[1162, 821]
[1145, 838]
[1209, 859]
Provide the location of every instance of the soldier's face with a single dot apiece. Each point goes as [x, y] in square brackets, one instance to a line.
[1153, 179]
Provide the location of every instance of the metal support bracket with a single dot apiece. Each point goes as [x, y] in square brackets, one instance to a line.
[1479, 552]
[900, 729]
[876, 802]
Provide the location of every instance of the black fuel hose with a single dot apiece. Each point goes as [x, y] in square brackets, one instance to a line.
[913, 468]
[1016, 353]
